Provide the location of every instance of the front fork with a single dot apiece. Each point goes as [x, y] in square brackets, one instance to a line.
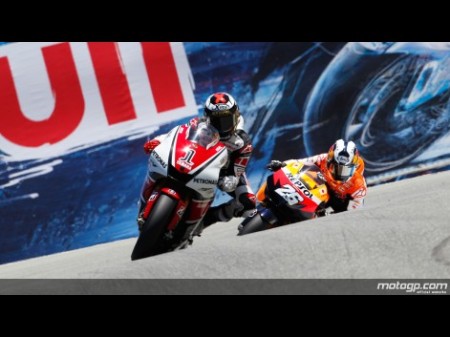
[196, 208]
[268, 215]
[180, 209]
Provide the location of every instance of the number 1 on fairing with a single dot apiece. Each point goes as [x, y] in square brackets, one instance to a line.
[188, 157]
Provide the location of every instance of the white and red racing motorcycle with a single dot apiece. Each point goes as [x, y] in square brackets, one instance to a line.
[185, 168]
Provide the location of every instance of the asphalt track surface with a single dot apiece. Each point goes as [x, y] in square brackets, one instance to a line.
[403, 232]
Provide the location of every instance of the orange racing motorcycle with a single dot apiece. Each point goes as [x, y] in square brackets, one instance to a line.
[294, 193]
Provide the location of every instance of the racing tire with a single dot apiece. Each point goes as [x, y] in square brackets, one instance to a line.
[254, 224]
[151, 238]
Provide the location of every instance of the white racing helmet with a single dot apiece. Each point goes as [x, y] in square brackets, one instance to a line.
[342, 159]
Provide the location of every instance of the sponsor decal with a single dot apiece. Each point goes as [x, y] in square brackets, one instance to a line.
[159, 159]
[184, 164]
[206, 181]
[72, 95]
[299, 184]
[181, 211]
[303, 188]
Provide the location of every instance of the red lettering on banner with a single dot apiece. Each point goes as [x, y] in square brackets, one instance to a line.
[69, 101]
[163, 76]
[112, 82]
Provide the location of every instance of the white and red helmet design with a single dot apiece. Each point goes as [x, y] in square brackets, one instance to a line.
[222, 112]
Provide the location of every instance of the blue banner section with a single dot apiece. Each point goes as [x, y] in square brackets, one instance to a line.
[392, 99]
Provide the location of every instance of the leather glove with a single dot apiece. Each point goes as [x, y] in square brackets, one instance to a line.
[150, 145]
[322, 212]
[228, 183]
[275, 165]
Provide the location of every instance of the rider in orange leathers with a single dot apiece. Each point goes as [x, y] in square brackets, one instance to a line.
[343, 170]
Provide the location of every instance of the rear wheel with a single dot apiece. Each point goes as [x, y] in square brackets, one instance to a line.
[151, 239]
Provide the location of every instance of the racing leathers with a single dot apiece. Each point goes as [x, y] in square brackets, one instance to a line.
[344, 195]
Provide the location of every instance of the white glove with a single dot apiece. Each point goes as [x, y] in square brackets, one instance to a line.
[228, 183]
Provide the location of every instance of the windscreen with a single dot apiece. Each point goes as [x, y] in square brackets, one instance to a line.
[204, 135]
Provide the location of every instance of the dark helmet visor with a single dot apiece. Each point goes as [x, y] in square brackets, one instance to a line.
[224, 121]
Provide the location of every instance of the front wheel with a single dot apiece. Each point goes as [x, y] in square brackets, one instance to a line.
[151, 238]
[254, 224]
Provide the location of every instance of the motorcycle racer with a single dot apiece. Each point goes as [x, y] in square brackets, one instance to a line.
[222, 112]
[343, 170]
